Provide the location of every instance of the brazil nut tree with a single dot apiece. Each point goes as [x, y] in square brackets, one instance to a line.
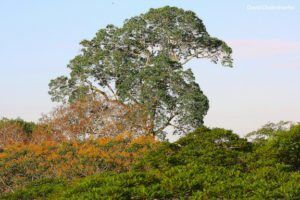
[141, 63]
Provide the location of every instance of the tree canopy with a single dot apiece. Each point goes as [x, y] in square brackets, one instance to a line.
[142, 63]
[204, 164]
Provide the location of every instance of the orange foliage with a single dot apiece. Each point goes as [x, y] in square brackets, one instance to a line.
[79, 139]
[22, 163]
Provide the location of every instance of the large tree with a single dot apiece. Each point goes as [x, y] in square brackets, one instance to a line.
[141, 63]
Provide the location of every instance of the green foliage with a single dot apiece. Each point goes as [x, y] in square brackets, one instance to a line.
[287, 144]
[142, 63]
[283, 145]
[40, 189]
[205, 164]
[268, 130]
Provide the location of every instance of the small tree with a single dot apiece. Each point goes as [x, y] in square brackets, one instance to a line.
[87, 118]
[141, 63]
[269, 130]
[15, 130]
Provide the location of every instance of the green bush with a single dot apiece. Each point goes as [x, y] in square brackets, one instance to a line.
[41, 189]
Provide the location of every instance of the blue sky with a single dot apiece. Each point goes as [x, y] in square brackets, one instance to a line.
[38, 38]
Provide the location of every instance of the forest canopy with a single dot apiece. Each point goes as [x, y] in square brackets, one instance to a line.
[204, 164]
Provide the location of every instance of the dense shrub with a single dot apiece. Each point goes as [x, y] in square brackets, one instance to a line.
[39, 189]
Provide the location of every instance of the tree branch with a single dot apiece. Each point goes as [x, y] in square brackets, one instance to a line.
[112, 91]
[167, 123]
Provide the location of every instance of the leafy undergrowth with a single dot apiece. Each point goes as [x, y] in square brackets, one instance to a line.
[205, 164]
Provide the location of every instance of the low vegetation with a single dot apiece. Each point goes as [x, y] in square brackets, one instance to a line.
[204, 164]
